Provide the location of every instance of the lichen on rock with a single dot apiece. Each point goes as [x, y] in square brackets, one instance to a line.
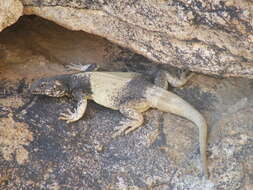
[13, 137]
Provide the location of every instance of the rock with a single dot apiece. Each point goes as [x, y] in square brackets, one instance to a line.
[13, 137]
[39, 151]
[10, 11]
[211, 37]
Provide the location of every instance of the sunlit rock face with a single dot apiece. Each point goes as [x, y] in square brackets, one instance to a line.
[212, 37]
[10, 11]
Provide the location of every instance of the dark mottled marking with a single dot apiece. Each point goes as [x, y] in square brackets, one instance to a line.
[79, 84]
[134, 90]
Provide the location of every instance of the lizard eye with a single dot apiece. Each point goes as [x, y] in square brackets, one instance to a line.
[42, 85]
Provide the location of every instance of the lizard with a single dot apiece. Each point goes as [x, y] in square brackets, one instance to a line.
[128, 92]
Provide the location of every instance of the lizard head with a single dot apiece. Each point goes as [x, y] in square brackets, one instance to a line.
[49, 87]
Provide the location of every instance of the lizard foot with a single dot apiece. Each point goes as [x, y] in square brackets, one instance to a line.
[125, 128]
[82, 68]
[70, 116]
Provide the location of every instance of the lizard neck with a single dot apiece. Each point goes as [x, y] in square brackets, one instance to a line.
[79, 83]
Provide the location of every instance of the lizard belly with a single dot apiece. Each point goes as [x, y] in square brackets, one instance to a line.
[105, 100]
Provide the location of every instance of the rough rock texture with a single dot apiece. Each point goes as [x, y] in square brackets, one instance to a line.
[10, 11]
[47, 153]
[207, 36]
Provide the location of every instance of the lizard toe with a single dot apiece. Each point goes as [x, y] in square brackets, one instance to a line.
[121, 129]
[129, 129]
[68, 117]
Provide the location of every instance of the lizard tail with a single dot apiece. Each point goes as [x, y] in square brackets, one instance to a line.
[170, 102]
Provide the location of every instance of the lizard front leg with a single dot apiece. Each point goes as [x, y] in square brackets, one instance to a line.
[163, 78]
[77, 114]
[133, 120]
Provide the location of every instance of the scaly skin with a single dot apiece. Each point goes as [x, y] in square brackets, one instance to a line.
[127, 92]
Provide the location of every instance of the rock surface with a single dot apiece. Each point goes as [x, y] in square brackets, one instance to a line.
[10, 11]
[206, 36]
[212, 37]
[38, 151]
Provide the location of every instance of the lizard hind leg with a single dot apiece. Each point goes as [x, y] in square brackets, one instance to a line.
[133, 120]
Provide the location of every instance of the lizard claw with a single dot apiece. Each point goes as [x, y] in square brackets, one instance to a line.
[69, 117]
[124, 128]
[73, 66]
[80, 67]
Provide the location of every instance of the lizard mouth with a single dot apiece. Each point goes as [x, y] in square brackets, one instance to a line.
[48, 93]
[39, 92]
[35, 91]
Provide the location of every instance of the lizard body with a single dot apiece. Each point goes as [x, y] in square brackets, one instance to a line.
[127, 92]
